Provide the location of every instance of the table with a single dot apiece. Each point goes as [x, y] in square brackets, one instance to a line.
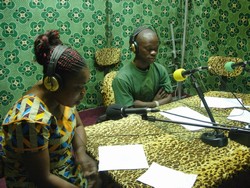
[171, 145]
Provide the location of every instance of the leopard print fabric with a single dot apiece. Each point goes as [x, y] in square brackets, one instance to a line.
[173, 146]
[108, 56]
[107, 90]
[217, 63]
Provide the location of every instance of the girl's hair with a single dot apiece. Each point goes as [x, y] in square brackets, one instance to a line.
[69, 61]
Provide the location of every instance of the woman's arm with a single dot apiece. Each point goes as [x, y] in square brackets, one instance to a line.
[79, 146]
[88, 164]
[38, 167]
[81, 137]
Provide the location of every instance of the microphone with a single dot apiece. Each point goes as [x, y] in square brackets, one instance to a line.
[181, 74]
[230, 66]
[223, 66]
[116, 111]
[218, 63]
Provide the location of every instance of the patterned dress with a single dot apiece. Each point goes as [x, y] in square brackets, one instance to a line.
[30, 127]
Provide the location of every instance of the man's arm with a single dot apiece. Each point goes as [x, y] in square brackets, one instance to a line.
[164, 94]
[160, 98]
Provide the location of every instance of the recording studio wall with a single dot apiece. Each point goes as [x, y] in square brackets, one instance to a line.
[218, 28]
[214, 28]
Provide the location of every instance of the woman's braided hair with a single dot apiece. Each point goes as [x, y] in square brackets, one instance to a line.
[69, 61]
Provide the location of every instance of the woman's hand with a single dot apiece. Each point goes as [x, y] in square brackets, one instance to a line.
[89, 170]
[89, 165]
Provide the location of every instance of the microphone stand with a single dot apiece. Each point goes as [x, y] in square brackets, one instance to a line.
[240, 135]
[215, 138]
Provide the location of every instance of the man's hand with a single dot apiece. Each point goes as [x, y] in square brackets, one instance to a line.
[161, 94]
[162, 97]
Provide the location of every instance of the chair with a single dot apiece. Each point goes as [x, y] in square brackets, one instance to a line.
[107, 56]
[107, 90]
[108, 60]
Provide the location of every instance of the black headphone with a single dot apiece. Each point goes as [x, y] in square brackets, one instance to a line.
[52, 81]
[133, 45]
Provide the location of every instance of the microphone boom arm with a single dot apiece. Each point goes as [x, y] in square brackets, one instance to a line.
[237, 134]
[217, 138]
[201, 96]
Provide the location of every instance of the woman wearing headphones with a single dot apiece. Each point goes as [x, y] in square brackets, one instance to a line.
[45, 141]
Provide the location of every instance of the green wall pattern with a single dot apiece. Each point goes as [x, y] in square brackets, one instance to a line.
[219, 27]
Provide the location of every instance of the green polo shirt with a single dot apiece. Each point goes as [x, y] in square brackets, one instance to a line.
[132, 84]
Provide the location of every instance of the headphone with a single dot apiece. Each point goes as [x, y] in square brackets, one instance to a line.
[52, 81]
[132, 42]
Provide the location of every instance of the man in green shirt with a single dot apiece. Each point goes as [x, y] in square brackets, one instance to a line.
[143, 83]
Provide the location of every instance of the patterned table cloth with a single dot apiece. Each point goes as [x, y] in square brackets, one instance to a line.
[171, 145]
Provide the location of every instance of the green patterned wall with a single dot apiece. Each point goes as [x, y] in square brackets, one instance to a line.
[214, 27]
[218, 27]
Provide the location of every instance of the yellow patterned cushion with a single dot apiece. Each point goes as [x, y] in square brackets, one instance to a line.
[217, 63]
[108, 56]
[107, 90]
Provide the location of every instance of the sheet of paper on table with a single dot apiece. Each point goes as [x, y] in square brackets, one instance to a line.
[187, 113]
[219, 102]
[239, 115]
[161, 177]
[122, 157]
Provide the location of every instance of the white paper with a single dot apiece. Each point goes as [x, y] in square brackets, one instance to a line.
[219, 102]
[122, 157]
[239, 115]
[187, 112]
[161, 177]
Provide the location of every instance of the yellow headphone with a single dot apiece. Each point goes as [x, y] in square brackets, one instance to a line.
[52, 81]
[132, 42]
